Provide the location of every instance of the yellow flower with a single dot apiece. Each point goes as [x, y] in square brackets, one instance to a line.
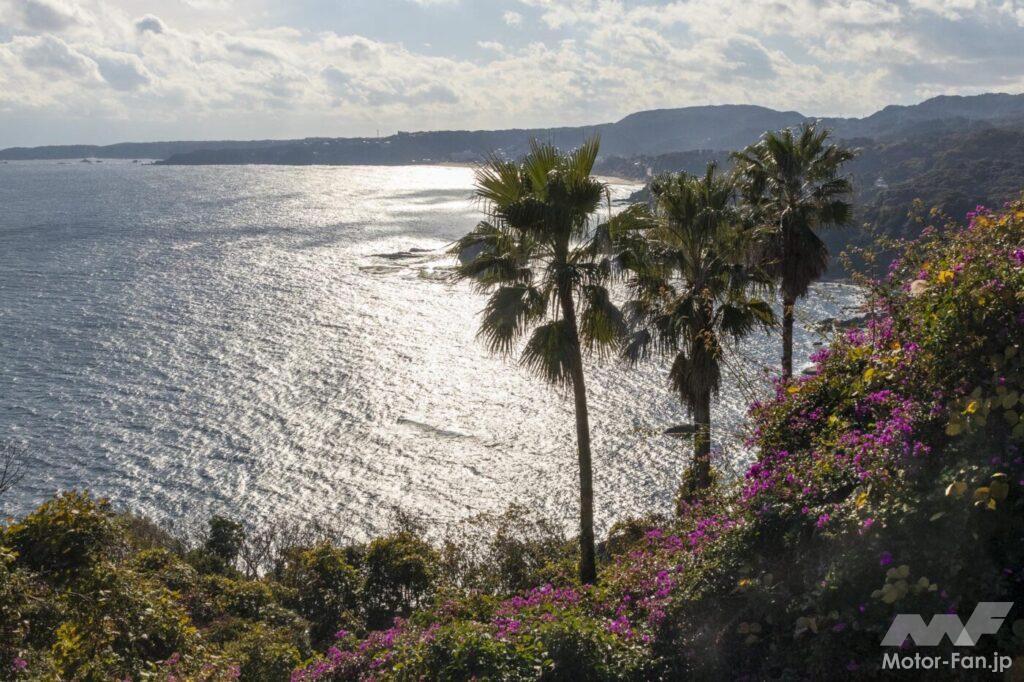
[944, 276]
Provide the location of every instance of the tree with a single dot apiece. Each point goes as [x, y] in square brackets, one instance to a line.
[691, 289]
[536, 256]
[225, 540]
[790, 183]
[12, 458]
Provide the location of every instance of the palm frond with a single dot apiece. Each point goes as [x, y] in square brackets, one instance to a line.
[549, 352]
[508, 313]
[601, 322]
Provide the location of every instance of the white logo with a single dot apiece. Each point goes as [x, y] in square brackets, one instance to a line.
[986, 620]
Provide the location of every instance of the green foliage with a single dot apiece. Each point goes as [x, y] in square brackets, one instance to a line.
[508, 552]
[262, 653]
[225, 539]
[14, 593]
[399, 572]
[64, 535]
[323, 587]
[128, 621]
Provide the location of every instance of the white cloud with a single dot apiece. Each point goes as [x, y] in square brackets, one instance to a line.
[512, 18]
[150, 23]
[49, 15]
[590, 61]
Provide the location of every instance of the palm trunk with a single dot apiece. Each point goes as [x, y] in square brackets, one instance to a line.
[787, 337]
[588, 562]
[702, 442]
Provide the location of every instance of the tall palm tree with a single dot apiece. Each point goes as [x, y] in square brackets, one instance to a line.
[791, 183]
[535, 256]
[691, 289]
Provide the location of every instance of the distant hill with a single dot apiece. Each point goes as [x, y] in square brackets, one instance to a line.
[951, 152]
[129, 150]
[952, 168]
[655, 132]
[937, 112]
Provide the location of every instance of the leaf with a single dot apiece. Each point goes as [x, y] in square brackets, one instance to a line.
[1010, 399]
[954, 428]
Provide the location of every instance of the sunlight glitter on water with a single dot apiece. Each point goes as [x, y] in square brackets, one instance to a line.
[264, 341]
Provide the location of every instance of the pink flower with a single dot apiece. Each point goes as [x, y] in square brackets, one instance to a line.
[20, 664]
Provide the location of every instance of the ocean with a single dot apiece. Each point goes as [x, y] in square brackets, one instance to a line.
[283, 343]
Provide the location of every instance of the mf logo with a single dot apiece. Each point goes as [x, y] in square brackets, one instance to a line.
[987, 618]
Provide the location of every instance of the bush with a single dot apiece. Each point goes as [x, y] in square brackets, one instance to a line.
[65, 535]
[14, 593]
[128, 622]
[322, 587]
[264, 654]
[399, 572]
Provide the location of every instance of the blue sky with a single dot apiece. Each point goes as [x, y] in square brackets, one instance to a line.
[103, 71]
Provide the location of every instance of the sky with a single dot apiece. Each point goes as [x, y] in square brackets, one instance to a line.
[103, 71]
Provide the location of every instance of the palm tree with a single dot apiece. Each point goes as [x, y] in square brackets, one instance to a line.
[535, 256]
[690, 289]
[790, 183]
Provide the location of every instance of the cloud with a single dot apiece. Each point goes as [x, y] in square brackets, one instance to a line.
[49, 53]
[121, 70]
[150, 24]
[49, 15]
[512, 18]
[226, 72]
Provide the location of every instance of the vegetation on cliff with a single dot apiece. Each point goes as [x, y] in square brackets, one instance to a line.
[890, 481]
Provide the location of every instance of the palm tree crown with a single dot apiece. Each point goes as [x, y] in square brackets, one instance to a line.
[790, 183]
[535, 256]
[691, 289]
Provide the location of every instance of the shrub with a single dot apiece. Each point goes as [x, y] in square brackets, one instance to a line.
[399, 572]
[508, 552]
[127, 622]
[14, 593]
[322, 587]
[264, 654]
[65, 535]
